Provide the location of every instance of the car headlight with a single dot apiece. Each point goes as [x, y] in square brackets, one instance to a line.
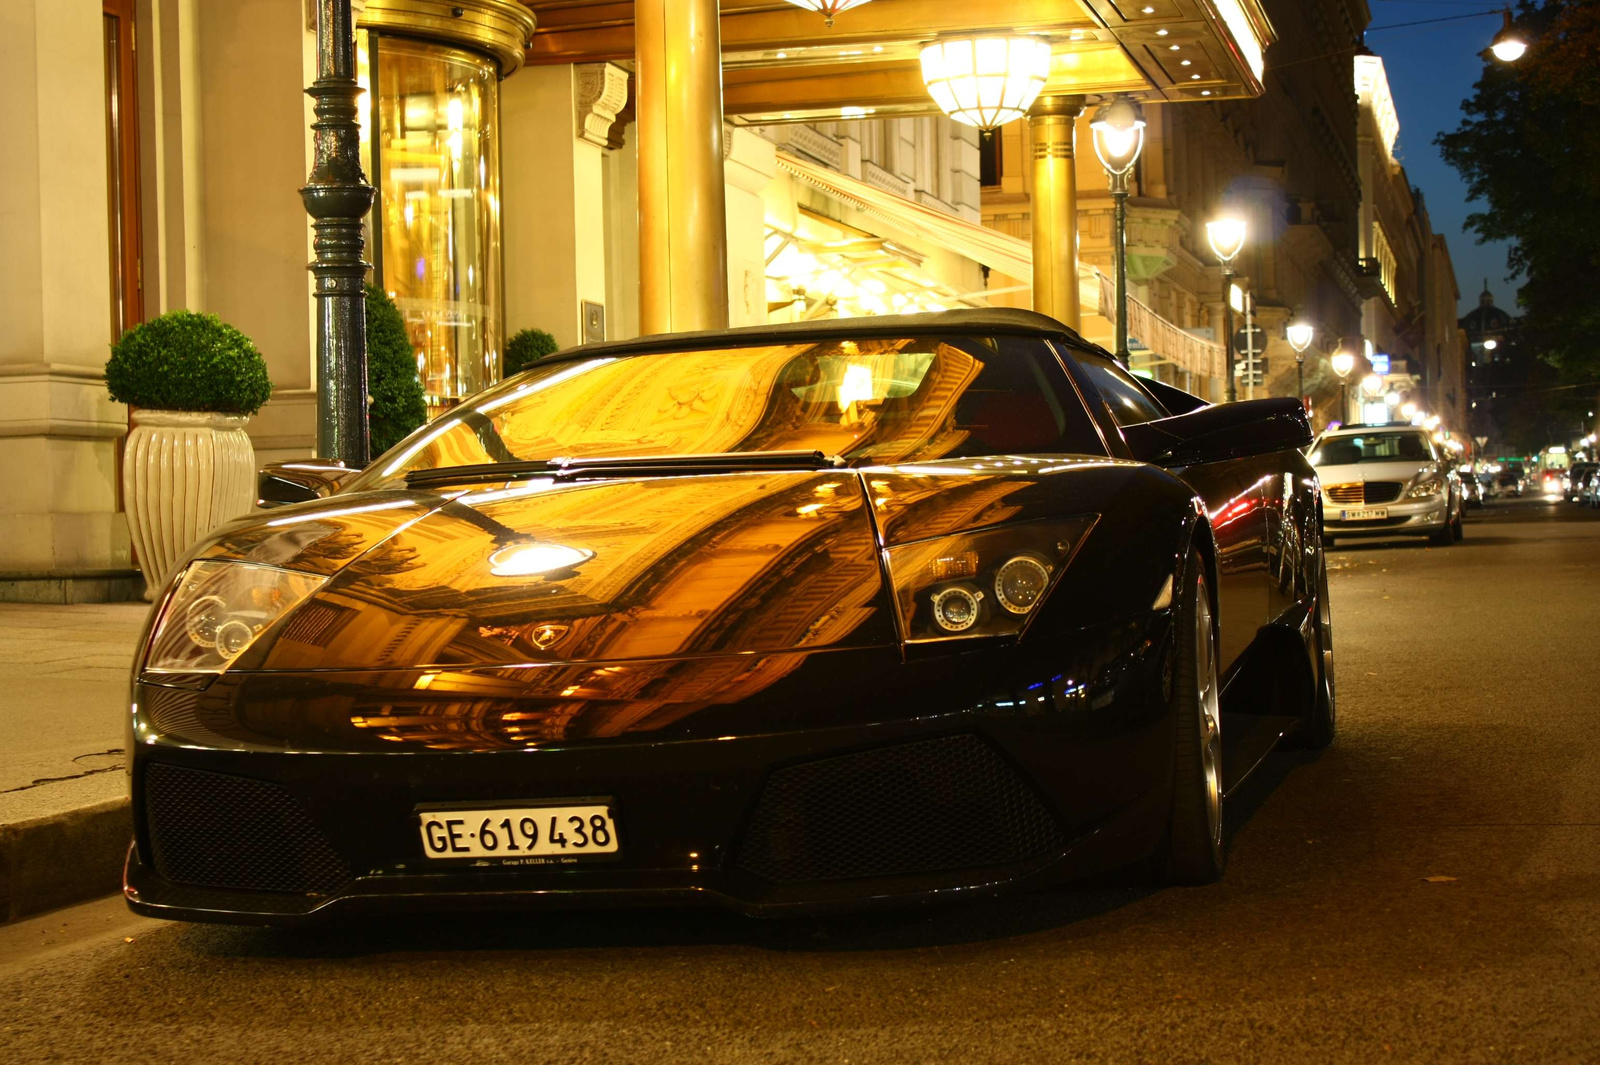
[984, 583]
[1431, 487]
[217, 611]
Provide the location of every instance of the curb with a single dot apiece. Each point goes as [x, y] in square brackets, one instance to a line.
[62, 858]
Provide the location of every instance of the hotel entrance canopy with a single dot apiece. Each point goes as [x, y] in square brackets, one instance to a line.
[783, 63]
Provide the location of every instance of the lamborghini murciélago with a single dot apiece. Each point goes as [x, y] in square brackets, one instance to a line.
[781, 618]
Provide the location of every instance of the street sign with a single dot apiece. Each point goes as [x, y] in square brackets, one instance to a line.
[1253, 338]
[1380, 363]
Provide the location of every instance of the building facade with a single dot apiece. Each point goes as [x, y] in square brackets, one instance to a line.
[158, 146]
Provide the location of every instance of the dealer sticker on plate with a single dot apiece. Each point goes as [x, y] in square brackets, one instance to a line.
[535, 834]
[1364, 514]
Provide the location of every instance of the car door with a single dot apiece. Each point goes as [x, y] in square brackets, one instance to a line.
[1236, 496]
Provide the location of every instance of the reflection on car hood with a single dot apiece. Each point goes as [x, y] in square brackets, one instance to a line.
[599, 570]
[1396, 470]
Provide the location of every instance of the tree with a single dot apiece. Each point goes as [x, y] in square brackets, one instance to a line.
[527, 348]
[1529, 150]
[396, 406]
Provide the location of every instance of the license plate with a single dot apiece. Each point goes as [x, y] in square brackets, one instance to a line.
[520, 833]
[1364, 514]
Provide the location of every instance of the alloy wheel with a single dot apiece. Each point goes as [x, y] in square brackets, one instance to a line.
[1209, 708]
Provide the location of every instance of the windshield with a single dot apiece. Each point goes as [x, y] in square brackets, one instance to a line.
[883, 401]
[1371, 447]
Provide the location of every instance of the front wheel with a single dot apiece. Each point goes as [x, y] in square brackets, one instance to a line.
[1319, 727]
[1193, 852]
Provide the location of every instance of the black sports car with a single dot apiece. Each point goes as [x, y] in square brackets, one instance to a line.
[798, 616]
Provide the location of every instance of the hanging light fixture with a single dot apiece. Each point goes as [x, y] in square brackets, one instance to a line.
[1509, 44]
[986, 81]
[828, 8]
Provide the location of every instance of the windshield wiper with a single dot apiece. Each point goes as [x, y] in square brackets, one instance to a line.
[569, 469]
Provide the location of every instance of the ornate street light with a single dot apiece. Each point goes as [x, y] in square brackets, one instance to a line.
[828, 8]
[1118, 138]
[986, 81]
[1343, 362]
[1509, 45]
[1226, 236]
[1301, 334]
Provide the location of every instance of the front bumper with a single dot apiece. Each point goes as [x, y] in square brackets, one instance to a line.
[1065, 759]
[1404, 518]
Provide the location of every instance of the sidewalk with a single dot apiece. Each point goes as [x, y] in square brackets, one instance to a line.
[63, 792]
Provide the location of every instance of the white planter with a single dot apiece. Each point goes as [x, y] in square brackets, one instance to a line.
[183, 474]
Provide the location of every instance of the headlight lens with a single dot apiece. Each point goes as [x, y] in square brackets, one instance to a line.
[1430, 487]
[218, 610]
[985, 583]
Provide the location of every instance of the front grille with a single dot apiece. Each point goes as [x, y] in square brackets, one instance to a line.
[1365, 492]
[1345, 493]
[923, 807]
[216, 830]
[1383, 491]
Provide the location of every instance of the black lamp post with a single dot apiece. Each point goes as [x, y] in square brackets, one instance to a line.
[1301, 334]
[1226, 236]
[337, 197]
[1118, 138]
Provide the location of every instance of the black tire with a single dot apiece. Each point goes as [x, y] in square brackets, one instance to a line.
[1458, 528]
[1320, 727]
[1443, 538]
[1192, 852]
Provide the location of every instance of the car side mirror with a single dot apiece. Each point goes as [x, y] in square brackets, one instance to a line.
[281, 483]
[1222, 432]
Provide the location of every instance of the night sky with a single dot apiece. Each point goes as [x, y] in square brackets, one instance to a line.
[1431, 71]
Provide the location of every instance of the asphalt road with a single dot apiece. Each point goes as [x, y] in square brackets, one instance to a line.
[1426, 890]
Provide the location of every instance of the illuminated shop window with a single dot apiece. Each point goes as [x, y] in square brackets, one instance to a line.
[431, 146]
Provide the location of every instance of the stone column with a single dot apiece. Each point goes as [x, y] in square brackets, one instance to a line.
[62, 538]
[556, 123]
[1055, 208]
[683, 252]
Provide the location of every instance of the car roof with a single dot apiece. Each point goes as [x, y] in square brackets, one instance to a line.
[981, 320]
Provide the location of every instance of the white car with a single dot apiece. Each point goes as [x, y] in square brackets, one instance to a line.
[1386, 480]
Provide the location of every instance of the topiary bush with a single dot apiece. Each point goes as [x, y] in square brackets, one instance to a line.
[527, 348]
[396, 406]
[190, 362]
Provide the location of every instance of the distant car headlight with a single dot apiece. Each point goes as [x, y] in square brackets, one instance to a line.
[983, 583]
[218, 610]
[1430, 487]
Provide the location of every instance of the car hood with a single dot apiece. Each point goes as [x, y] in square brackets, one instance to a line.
[1402, 470]
[545, 571]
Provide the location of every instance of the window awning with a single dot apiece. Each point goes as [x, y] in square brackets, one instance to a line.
[1009, 255]
[996, 250]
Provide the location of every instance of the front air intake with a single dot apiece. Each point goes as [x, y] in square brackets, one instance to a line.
[217, 830]
[923, 807]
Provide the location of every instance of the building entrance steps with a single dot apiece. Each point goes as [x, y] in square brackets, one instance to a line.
[63, 786]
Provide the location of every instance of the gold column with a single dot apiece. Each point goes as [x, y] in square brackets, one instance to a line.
[1051, 121]
[683, 237]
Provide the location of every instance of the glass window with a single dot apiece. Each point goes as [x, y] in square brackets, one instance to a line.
[1372, 447]
[432, 149]
[871, 401]
[1127, 400]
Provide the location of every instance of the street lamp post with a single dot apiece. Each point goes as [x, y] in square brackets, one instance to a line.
[1509, 45]
[1343, 362]
[1301, 334]
[337, 197]
[1118, 138]
[1226, 236]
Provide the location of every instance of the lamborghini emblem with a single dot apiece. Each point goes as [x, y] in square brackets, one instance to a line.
[545, 637]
